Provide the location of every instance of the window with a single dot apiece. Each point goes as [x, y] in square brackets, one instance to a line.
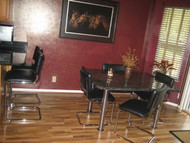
[173, 38]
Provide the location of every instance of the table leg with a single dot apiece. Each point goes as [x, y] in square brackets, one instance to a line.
[104, 109]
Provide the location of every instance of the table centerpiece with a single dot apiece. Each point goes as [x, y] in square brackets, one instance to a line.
[130, 61]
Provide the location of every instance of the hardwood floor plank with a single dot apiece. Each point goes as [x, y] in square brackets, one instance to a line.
[60, 125]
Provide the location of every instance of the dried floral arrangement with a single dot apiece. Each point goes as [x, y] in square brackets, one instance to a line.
[163, 66]
[130, 60]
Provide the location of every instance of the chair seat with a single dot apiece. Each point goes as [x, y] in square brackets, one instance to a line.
[137, 107]
[25, 75]
[97, 95]
[25, 65]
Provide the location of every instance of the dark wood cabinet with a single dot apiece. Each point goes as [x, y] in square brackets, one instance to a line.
[5, 10]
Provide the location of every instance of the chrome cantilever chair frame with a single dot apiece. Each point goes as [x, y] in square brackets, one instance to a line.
[26, 66]
[14, 95]
[153, 106]
[88, 89]
[12, 105]
[12, 77]
[91, 112]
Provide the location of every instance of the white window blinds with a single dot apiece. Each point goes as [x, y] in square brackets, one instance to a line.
[173, 38]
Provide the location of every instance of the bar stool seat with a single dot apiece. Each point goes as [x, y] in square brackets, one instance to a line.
[18, 76]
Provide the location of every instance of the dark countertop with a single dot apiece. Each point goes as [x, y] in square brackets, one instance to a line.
[139, 81]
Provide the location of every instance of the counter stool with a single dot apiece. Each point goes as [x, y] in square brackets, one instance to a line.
[27, 65]
[22, 76]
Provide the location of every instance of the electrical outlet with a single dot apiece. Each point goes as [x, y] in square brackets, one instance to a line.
[54, 79]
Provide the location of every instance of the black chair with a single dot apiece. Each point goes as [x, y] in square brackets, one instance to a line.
[22, 76]
[146, 95]
[115, 67]
[32, 66]
[93, 95]
[27, 65]
[145, 109]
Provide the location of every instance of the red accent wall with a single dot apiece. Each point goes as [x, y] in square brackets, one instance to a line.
[138, 27]
[40, 20]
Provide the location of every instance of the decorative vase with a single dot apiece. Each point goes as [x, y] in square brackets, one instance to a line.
[128, 73]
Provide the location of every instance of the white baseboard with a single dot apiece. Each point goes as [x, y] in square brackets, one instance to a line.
[172, 104]
[47, 90]
[66, 91]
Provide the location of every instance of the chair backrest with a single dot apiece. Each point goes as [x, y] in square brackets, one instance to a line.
[165, 79]
[39, 63]
[85, 81]
[157, 96]
[115, 67]
[35, 55]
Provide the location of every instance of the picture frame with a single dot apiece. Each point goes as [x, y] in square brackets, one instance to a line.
[91, 20]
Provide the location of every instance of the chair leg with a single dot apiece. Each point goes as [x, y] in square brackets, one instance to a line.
[153, 137]
[129, 118]
[89, 111]
[25, 94]
[116, 133]
[24, 108]
[115, 129]
[116, 122]
[14, 95]
[9, 92]
[151, 123]
[84, 125]
[112, 112]
[89, 107]
[157, 114]
[11, 106]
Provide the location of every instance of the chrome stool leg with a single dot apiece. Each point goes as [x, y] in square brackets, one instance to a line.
[24, 95]
[12, 106]
[24, 108]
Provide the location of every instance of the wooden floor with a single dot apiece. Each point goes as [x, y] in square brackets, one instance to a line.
[59, 125]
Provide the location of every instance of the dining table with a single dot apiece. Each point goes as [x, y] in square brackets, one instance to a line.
[138, 81]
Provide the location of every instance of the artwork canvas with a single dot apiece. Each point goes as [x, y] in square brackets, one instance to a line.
[89, 20]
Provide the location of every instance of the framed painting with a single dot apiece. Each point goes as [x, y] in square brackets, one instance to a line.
[93, 20]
